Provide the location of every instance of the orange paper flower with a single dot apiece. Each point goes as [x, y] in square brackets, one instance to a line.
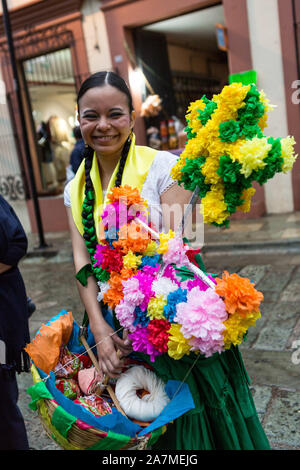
[238, 293]
[132, 237]
[114, 294]
[127, 194]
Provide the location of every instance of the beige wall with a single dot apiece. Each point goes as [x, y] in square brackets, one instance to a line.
[95, 36]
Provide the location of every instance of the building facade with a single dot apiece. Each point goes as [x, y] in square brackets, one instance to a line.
[166, 48]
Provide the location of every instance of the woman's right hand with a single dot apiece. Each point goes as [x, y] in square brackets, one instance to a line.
[108, 359]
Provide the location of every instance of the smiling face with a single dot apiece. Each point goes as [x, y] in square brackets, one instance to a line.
[105, 119]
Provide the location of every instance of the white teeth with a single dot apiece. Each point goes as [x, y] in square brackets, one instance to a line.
[108, 137]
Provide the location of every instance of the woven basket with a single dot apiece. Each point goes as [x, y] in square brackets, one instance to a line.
[88, 438]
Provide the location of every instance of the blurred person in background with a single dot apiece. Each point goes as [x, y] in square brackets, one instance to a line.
[14, 329]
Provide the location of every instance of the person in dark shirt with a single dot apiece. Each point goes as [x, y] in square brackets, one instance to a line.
[14, 328]
[77, 152]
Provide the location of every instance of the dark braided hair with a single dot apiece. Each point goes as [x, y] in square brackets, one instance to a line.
[90, 237]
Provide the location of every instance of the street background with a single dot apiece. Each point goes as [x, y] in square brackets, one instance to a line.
[267, 250]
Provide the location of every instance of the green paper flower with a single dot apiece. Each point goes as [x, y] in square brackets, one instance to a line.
[205, 114]
[274, 162]
[191, 176]
[253, 110]
[229, 131]
[230, 171]
[233, 196]
[190, 134]
[251, 130]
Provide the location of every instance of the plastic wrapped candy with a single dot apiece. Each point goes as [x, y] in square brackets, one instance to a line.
[68, 364]
[68, 387]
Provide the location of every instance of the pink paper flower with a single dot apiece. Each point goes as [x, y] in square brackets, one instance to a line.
[176, 253]
[170, 272]
[145, 283]
[132, 293]
[140, 343]
[202, 318]
[125, 314]
[191, 283]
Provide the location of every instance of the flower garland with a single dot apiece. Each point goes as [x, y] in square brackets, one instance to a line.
[226, 151]
[165, 312]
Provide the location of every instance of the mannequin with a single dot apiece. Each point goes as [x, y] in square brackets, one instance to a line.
[60, 145]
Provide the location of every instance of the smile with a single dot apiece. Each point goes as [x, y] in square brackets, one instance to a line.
[104, 138]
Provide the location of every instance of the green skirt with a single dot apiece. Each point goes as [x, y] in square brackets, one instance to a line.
[224, 416]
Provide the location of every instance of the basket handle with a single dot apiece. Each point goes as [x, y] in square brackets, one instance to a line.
[96, 364]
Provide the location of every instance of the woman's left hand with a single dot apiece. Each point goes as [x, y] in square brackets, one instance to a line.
[124, 345]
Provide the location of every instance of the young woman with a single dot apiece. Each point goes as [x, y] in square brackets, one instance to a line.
[224, 416]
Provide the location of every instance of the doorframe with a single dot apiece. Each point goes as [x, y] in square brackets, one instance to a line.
[36, 41]
[288, 17]
[122, 16]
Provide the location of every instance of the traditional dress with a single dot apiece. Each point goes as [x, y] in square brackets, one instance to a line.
[224, 416]
[14, 330]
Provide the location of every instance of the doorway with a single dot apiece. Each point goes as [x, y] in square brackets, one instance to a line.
[50, 89]
[181, 61]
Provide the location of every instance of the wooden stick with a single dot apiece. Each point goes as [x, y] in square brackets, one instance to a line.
[96, 364]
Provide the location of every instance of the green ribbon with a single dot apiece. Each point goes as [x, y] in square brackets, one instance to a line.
[38, 391]
[84, 273]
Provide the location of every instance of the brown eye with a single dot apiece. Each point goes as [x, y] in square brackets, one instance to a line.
[116, 115]
[89, 116]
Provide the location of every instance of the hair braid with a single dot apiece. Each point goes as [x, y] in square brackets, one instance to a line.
[88, 222]
[123, 159]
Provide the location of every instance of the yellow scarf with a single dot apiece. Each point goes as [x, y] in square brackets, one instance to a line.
[138, 163]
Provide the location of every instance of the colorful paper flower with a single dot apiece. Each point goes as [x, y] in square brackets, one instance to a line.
[108, 258]
[158, 334]
[153, 292]
[178, 345]
[238, 293]
[237, 326]
[174, 298]
[155, 308]
[164, 239]
[176, 253]
[140, 343]
[125, 313]
[131, 260]
[163, 286]
[226, 151]
[201, 318]
[132, 237]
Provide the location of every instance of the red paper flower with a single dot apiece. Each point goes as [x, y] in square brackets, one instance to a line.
[158, 334]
